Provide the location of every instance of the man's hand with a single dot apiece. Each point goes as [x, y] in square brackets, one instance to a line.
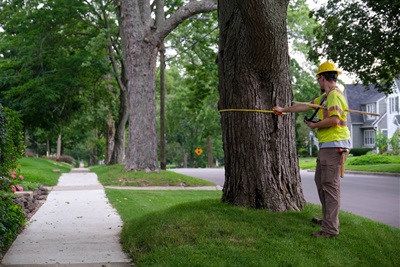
[278, 110]
[311, 125]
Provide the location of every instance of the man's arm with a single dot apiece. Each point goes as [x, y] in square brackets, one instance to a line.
[325, 123]
[295, 108]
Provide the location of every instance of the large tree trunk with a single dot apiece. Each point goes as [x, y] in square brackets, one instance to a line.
[261, 165]
[141, 39]
[140, 49]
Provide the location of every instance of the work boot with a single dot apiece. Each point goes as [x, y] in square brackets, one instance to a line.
[322, 234]
[316, 221]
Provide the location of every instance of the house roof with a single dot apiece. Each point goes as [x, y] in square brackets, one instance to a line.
[397, 82]
[359, 94]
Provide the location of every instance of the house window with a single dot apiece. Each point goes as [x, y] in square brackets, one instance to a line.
[371, 109]
[369, 138]
[394, 104]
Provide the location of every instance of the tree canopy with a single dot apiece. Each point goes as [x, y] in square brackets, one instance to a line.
[47, 60]
[363, 37]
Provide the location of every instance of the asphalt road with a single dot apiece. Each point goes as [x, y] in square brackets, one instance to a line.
[372, 196]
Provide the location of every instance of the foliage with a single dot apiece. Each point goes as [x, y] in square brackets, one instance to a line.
[381, 142]
[64, 158]
[54, 65]
[345, 25]
[300, 26]
[11, 182]
[395, 143]
[180, 228]
[371, 159]
[11, 221]
[360, 151]
[303, 152]
[11, 143]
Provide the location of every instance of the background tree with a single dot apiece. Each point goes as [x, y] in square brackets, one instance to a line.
[45, 64]
[141, 40]
[344, 28]
[195, 42]
[261, 167]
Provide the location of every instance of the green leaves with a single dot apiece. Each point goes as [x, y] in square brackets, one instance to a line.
[11, 140]
[363, 37]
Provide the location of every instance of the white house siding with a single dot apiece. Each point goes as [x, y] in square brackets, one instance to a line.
[390, 126]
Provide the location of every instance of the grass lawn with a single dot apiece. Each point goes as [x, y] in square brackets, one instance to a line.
[116, 175]
[40, 171]
[193, 228]
[310, 163]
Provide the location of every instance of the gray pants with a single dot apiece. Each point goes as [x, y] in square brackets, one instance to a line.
[327, 180]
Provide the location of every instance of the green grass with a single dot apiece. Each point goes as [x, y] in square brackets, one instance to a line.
[310, 163]
[193, 228]
[116, 175]
[39, 171]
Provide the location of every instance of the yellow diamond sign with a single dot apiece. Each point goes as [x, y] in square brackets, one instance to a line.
[198, 151]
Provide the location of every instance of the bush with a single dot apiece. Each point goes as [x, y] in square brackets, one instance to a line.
[303, 152]
[11, 140]
[360, 151]
[381, 142]
[12, 220]
[64, 158]
[371, 159]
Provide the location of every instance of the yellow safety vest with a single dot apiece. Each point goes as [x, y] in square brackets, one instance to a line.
[336, 104]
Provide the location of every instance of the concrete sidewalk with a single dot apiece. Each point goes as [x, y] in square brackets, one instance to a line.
[76, 226]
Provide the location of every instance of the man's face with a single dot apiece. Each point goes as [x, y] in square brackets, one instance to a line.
[320, 79]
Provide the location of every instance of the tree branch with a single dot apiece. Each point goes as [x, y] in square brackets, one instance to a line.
[190, 9]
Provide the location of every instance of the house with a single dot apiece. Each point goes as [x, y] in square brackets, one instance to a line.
[363, 128]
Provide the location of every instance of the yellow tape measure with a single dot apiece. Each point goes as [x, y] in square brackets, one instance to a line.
[250, 110]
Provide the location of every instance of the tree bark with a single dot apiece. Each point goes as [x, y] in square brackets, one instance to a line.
[110, 139]
[141, 50]
[58, 153]
[261, 165]
[141, 40]
[163, 159]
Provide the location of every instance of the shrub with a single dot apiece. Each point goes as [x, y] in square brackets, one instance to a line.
[371, 159]
[381, 142]
[11, 140]
[64, 158]
[360, 151]
[395, 143]
[12, 220]
[67, 159]
[303, 152]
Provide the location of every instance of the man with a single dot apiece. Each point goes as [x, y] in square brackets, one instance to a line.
[334, 138]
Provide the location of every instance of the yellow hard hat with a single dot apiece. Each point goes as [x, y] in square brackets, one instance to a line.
[327, 66]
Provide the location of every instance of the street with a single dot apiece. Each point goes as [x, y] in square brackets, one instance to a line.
[372, 196]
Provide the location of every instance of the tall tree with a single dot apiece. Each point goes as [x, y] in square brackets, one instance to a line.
[261, 167]
[363, 37]
[141, 39]
[45, 66]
